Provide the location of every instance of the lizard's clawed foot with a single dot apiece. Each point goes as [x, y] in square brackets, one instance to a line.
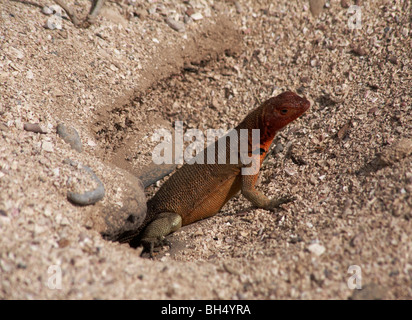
[151, 245]
[275, 203]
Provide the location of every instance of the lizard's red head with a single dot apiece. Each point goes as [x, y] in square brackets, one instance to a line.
[282, 109]
[272, 116]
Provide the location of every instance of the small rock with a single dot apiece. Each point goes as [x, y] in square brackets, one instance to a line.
[3, 127]
[238, 7]
[57, 10]
[34, 127]
[394, 153]
[290, 172]
[346, 207]
[343, 132]
[56, 172]
[316, 6]
[47, 146]
[313, 180]
[279, 148]
[54, 22]
[152, 10]
[393, 60]
[313, 62]
[88, 197]
[187, 19]
[47, 11]
[175, 25]
[359, 51]
[63, 243]
[197, 16]
[70, 136]
[357, 240]
[344, 4]
[64, 222]
[190, 11]
[316, 249]
[18, 54]
[230, 269]
[141, 13]
[91, 143]
[198, 233]
[30, 74]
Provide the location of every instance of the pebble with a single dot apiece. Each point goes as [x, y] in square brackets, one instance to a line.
[175, 25]
[18, 54]
[290, 172]
[91, 143]
[346, 207]
[316, 249]
[394, 153]
[279, 148]
[230, 269]
[190, 11]
[313, 180]
[57, 10]
[238, 7]
[187, 19]
[29, 74]
[47, 11]
[70, 136]
[197, 16]
[34, 127]
[56, 172]
[393, 60]
[62, 243]
[47, 146]
[54, 22]
[359, 51]
[88, 197]
[316, 6]
[141, 13]
[344, 4]
[64, 222]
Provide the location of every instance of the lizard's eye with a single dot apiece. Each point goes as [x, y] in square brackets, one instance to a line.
[284, 111]
[262, 151]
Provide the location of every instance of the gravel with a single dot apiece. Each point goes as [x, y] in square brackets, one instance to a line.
[347, 160]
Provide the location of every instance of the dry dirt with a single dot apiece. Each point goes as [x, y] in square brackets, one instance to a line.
[347, 160]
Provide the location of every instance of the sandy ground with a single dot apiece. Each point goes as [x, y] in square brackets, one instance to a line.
[347, 160]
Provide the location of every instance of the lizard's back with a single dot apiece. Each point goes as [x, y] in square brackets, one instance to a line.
[196, 191]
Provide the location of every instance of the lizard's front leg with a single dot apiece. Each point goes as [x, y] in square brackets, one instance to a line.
[257, 198]
[154, 234]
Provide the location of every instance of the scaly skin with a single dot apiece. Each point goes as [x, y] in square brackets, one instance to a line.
[198, 191]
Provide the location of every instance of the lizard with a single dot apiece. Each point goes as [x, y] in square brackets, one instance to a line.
[198, 191]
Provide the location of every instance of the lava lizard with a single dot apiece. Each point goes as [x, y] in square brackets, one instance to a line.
[197, 191]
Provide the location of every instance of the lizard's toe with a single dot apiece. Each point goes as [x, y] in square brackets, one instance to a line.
[152, 245]
[275, 203]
